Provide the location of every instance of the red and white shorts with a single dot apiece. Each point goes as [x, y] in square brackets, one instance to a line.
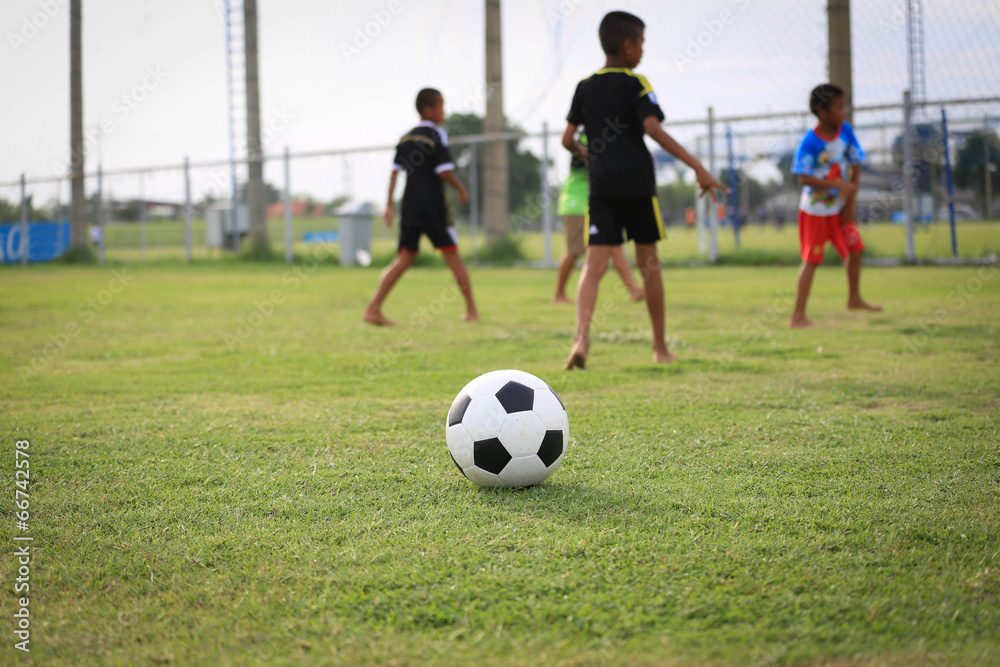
[816, 230]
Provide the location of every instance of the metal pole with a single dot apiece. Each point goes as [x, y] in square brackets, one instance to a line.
[142, 214]
[986, 165]
[951, 187]
[100, 214]
[288, 207]
[734, 196]
[474, 201]
[908, 174]
[699, 209]
[713, 223]
[546, 197]
[24, 223]
[187, 210]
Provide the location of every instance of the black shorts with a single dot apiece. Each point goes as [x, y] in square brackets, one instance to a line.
[639, 217]
[443, 237]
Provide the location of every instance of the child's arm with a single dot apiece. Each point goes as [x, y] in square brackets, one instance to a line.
[570, 143]
[705, 180]
[389, 213]
[850, 213]
[452, 180]
[848, 188]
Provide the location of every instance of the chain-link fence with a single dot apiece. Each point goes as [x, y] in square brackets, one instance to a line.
[185, 212]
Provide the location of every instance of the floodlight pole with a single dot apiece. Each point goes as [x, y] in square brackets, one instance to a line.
[496, 176]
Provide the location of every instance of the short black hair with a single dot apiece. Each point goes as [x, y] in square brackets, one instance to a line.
[427, 97]
[615, 28]
[822, 96]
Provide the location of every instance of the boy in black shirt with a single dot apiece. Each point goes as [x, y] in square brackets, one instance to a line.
[617, 107]
[423, 154]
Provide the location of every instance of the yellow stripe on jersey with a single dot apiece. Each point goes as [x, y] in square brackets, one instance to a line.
[646, 87]
[586, 225]
[418, 137]
[659, 218]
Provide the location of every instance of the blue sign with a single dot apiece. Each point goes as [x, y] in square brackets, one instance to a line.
[46, 241]
[321, 237]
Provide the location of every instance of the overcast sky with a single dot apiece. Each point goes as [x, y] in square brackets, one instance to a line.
[155, 71]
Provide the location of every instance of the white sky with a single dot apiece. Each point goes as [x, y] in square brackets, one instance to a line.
[767, 57]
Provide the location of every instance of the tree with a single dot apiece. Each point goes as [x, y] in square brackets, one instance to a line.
[928, 155]
[970, 166]
[525, 179]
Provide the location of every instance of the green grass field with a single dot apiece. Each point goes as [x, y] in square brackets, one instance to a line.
[229, 467]
[165, 240]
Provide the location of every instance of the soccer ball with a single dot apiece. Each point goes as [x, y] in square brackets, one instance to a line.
[507, 428]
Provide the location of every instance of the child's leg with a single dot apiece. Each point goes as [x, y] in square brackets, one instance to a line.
[854, 300]
[391, 274]
[625, 271]
[806, 273]
[649, 265]
[457, 266]
[594, 266]
[565, 269]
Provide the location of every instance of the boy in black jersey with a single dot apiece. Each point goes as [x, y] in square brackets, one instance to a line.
[423, 154]
[617, 107]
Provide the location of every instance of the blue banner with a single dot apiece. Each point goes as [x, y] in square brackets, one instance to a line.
[46, 241]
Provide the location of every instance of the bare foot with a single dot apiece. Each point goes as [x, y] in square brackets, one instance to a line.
[577, 359]
[664, 357]
[559, 298]
[472, 316]
[861, 304]
[801, 323]
[378, 319]
[637, 294]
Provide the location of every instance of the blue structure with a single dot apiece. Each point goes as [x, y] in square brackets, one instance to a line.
[46, 241]
[951, 187]
[734, 196]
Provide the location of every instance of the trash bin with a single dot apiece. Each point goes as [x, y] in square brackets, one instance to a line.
[356, 233]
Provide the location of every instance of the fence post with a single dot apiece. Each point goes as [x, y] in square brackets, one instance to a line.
[987, 165]
[734, 196]
[908, 174]
[699, 209]
[288, 207]
[474, 201]
[713, 223]
[187, 210]
[99, 212]
[948, 178]
[25, 246]
[546, 197]
[142, 214]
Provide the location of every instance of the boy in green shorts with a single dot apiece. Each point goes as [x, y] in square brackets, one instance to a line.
[573, 209]
[618, 107]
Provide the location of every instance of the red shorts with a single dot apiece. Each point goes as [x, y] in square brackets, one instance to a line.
[816, 230]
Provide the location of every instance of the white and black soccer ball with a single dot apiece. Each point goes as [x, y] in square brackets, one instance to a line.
[507, 428]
